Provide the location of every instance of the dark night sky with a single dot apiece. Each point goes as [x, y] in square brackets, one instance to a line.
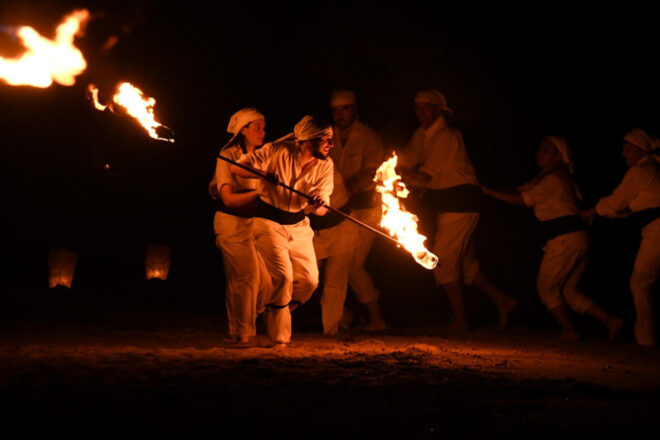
[512, 76]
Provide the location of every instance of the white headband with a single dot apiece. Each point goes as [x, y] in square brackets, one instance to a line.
[239, 120]
[242, 118]
[434, 97]
[642, 140]
[565, 152]
[308, 128]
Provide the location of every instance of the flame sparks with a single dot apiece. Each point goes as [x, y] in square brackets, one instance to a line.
[132, 101]
[44, 60]
[400, 224]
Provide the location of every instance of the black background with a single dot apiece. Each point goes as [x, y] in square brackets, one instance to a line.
[512, 76]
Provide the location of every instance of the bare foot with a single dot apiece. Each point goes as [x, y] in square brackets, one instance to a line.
[504, 310]
[614, 326]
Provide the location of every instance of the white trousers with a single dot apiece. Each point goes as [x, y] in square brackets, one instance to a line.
[247, 280]
[289, 255]
[562, 266]
[645, 272]
[358, 277]
[336, 246]
[453, 247]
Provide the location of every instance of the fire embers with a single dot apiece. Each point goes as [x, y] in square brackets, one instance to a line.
[398, 222]
[130, 100]
[45, 61]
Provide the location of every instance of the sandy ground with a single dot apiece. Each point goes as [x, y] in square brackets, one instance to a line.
[101, 381]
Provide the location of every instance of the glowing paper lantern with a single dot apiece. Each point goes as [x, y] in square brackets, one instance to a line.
[61, 267]
[157, 262]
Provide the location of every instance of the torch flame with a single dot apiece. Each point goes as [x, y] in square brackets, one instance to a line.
[132, 100]
[44, 60]
[400, 224]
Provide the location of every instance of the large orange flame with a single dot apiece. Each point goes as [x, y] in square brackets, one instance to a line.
[132, 101]
[44, 60]
[400, 224]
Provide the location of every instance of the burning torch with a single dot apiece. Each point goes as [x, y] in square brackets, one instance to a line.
[425, 258]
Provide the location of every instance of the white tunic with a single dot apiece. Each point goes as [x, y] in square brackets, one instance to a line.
[363, 149]
[565, 256]
[283, 160]
[288, 250]
[640, 190]
[440, 152]
[222, 177]
[247, 280]
[553, 196]
[335, 245]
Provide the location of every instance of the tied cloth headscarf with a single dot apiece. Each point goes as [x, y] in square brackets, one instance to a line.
[307, 129]
[239, 120]
[433, 97]
[644, 141]
[342, 97]
[564, 151]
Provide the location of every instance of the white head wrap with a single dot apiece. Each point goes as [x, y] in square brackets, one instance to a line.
[342, 97]
[242, 118]
[239, 120]
[434, 97]
[308, 128]
[564, 150]
[643, 140]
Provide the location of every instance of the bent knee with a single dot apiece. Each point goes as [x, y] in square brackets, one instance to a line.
[577, 301]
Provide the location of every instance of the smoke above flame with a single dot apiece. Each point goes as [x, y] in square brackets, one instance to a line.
[45, 61]
[399, 223]
[132, 101]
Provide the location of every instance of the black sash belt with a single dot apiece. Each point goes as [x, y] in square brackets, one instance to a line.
[259, 208]
[645, 216]
[461, 198]
[330, 219]
[562, 225]
[248, 210]
[264, 210]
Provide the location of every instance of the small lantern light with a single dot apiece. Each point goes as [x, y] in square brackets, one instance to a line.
[157, 261]
[61, 267]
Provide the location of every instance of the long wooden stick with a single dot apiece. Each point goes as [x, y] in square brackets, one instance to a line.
[310, 198]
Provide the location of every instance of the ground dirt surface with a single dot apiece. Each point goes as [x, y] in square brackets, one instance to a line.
[109, 381]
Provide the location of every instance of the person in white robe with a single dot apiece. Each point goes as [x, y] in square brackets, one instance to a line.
[638, 195]
[281, 228]
[436, 163]
[247, 279]
[358, 153]
[553, 195]
[335, 240]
